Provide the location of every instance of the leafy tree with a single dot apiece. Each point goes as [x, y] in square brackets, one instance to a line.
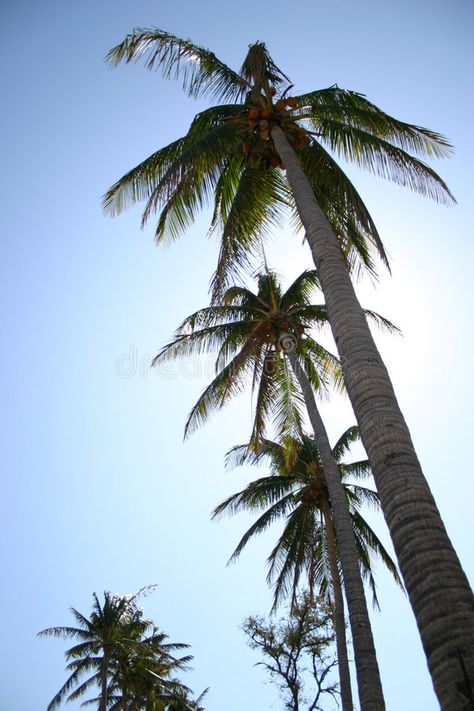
[255, 335]
[296, 652]
[124, 655]
[296, 491]
[230, 155]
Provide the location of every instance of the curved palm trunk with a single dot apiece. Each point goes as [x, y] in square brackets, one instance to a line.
[438, 589]
[339, 620]
[368, 676]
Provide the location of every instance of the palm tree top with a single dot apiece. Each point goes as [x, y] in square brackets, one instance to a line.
[203, 74]
[244, 331]
[295, 490]
[121, 652]
[228, 160]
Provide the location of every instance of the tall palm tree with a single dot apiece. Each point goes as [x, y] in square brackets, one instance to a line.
[118, 650]
[296, 491]
[254, 336]
[232, 154]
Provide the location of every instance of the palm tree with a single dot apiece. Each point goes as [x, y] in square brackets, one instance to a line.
[255, 335]
[142, 677]
[230, 154]
[296, 490]
[120, 650]
[114, 623]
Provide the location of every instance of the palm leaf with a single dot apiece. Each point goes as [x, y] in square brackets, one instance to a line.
[259, 69]
[354, 109]
[228, 383]
[259, 494]
[343, 206]
[275, 512]
[257, 206]
[343, 444]
[300, 291]
[201, 72]
[384, 159]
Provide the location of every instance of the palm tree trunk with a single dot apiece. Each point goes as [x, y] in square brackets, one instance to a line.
[368, 676]
[103, 683]
[438, 589]
[339, 620]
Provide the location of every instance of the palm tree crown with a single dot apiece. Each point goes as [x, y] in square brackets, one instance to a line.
[245, 330]
[228, 159]
[126, 656]
[296, 491]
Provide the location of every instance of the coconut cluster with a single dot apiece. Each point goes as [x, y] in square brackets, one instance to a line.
[256, 123]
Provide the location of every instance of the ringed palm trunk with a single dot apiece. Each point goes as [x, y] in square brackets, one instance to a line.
[368, 676]
[437, 587]
[339, 619]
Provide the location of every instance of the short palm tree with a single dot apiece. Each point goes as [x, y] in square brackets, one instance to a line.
[296, 491]
[255, 336]
[118, 651]
[143, 676]
[233, 154]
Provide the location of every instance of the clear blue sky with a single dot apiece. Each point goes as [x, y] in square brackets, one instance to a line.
[99, 491]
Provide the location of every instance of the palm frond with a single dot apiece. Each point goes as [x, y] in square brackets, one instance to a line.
[343, 444]
[201, 72]
[214, 316]
[289, 405]
[259, 494]
[205, 340]
[343, 206]
[266, 385]
[353, 109]
[228, 383]
[257, 206]
[275, 512]
[321, 366]
[383, 323]
[294, 549]
[65, 632]
[259, 69]
[190, 182]
[384, 159]
[256, 453]
[85, 686]
[370, 539]
[299, 293]
[356, 470]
